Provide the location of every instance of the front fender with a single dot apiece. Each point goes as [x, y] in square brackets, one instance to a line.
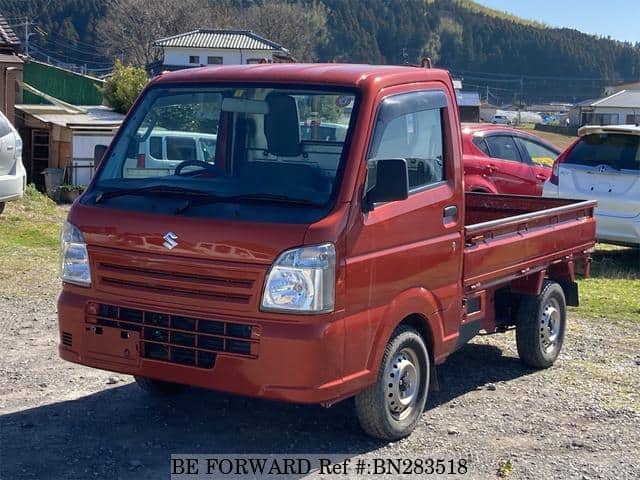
[413, 302]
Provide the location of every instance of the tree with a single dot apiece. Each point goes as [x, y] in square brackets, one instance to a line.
[300, 28]
[124, 86]
[131, 26]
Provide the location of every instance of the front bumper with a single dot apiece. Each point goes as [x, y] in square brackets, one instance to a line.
[296, 362]
[12, 187]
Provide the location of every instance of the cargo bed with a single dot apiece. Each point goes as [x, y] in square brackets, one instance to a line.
[510, 236]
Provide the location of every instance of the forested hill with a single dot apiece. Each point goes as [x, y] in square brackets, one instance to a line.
[515, 59]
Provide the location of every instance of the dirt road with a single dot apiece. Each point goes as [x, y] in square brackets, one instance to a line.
[579, 419]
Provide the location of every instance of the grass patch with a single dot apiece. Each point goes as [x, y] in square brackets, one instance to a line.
[29, 242]
[613, 290]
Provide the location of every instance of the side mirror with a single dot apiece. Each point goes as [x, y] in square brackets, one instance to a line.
[98, 153]
[392, 182]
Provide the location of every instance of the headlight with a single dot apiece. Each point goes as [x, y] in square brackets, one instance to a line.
[74, 257]
[302, 279]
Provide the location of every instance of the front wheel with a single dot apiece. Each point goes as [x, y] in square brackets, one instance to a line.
[391, 408]
[540, 326]
[1, 207]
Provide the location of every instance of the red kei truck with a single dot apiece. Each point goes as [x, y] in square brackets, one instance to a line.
[216, 247]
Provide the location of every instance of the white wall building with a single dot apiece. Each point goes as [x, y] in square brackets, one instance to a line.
[217, 47]
[620, 108]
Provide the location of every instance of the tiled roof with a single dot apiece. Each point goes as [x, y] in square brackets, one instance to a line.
[219, 39]
[8, 37]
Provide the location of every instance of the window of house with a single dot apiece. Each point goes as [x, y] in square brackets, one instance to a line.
[591, 118]
[633, 119]
[503, 147]
[213, 60]
[251, 61]
[409, 126]
[194, 59]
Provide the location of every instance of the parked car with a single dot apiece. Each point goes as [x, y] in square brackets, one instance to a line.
[292, 270]
[13, 177]
[162, 150]
[505, 160]
[604, 164]
[501, 120]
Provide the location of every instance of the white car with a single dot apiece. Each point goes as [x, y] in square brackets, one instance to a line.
[603, 165]
[501, 120]
[13, 177]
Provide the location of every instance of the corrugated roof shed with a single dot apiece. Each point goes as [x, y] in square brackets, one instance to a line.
[8, 38]
[623, 99]
[468, 99]
[220, 39]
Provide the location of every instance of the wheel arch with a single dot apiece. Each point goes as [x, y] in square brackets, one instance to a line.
[417, 308]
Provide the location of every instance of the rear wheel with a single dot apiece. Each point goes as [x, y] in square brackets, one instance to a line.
[391, 408]
[159, 387]
[2, 204]
[540, 326]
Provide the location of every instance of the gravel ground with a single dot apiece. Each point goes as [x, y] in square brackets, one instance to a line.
[579, 419]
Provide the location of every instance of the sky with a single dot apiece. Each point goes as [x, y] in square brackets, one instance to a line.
[619, 19]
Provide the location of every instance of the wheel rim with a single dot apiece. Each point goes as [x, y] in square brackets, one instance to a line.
[550, 326]
[403, 383]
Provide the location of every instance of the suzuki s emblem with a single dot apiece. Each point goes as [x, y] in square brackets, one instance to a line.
[170, 240]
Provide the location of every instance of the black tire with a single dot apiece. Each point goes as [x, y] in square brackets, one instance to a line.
[540, 326]
[373, 404]
[2, 204]
[159, 387]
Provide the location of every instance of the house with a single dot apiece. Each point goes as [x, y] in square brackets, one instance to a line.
[216, 47]
[622, 107]
[468, 106]
[60, 135]
[11, 66]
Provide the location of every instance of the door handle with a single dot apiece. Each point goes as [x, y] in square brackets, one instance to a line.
[450, 212]
[539, 176]
[492, 168]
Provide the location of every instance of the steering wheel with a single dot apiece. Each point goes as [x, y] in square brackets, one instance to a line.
[193, 163]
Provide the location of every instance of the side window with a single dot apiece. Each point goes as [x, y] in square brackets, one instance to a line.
[539, 153]
[411, 129]
[155, 147]
[482, 145]
[503, 147]
[181, 148]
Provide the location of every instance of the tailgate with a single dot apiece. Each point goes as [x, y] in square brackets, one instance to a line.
[500, 249]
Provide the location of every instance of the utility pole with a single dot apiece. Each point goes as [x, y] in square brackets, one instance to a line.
[26, 36]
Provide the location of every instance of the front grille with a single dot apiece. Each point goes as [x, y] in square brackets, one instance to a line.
[181, 281]
[67, 339]
[178, 338]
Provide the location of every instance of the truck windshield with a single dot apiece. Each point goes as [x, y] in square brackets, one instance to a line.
[233, 143]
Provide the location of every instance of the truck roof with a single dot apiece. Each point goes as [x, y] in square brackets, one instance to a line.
[337, 74]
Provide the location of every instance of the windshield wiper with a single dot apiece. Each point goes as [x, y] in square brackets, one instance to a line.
[172, 190]
[249, 197]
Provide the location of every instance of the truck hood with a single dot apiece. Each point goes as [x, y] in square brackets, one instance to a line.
[207, 239]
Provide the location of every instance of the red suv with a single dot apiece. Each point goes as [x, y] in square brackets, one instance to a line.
[500, 159]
